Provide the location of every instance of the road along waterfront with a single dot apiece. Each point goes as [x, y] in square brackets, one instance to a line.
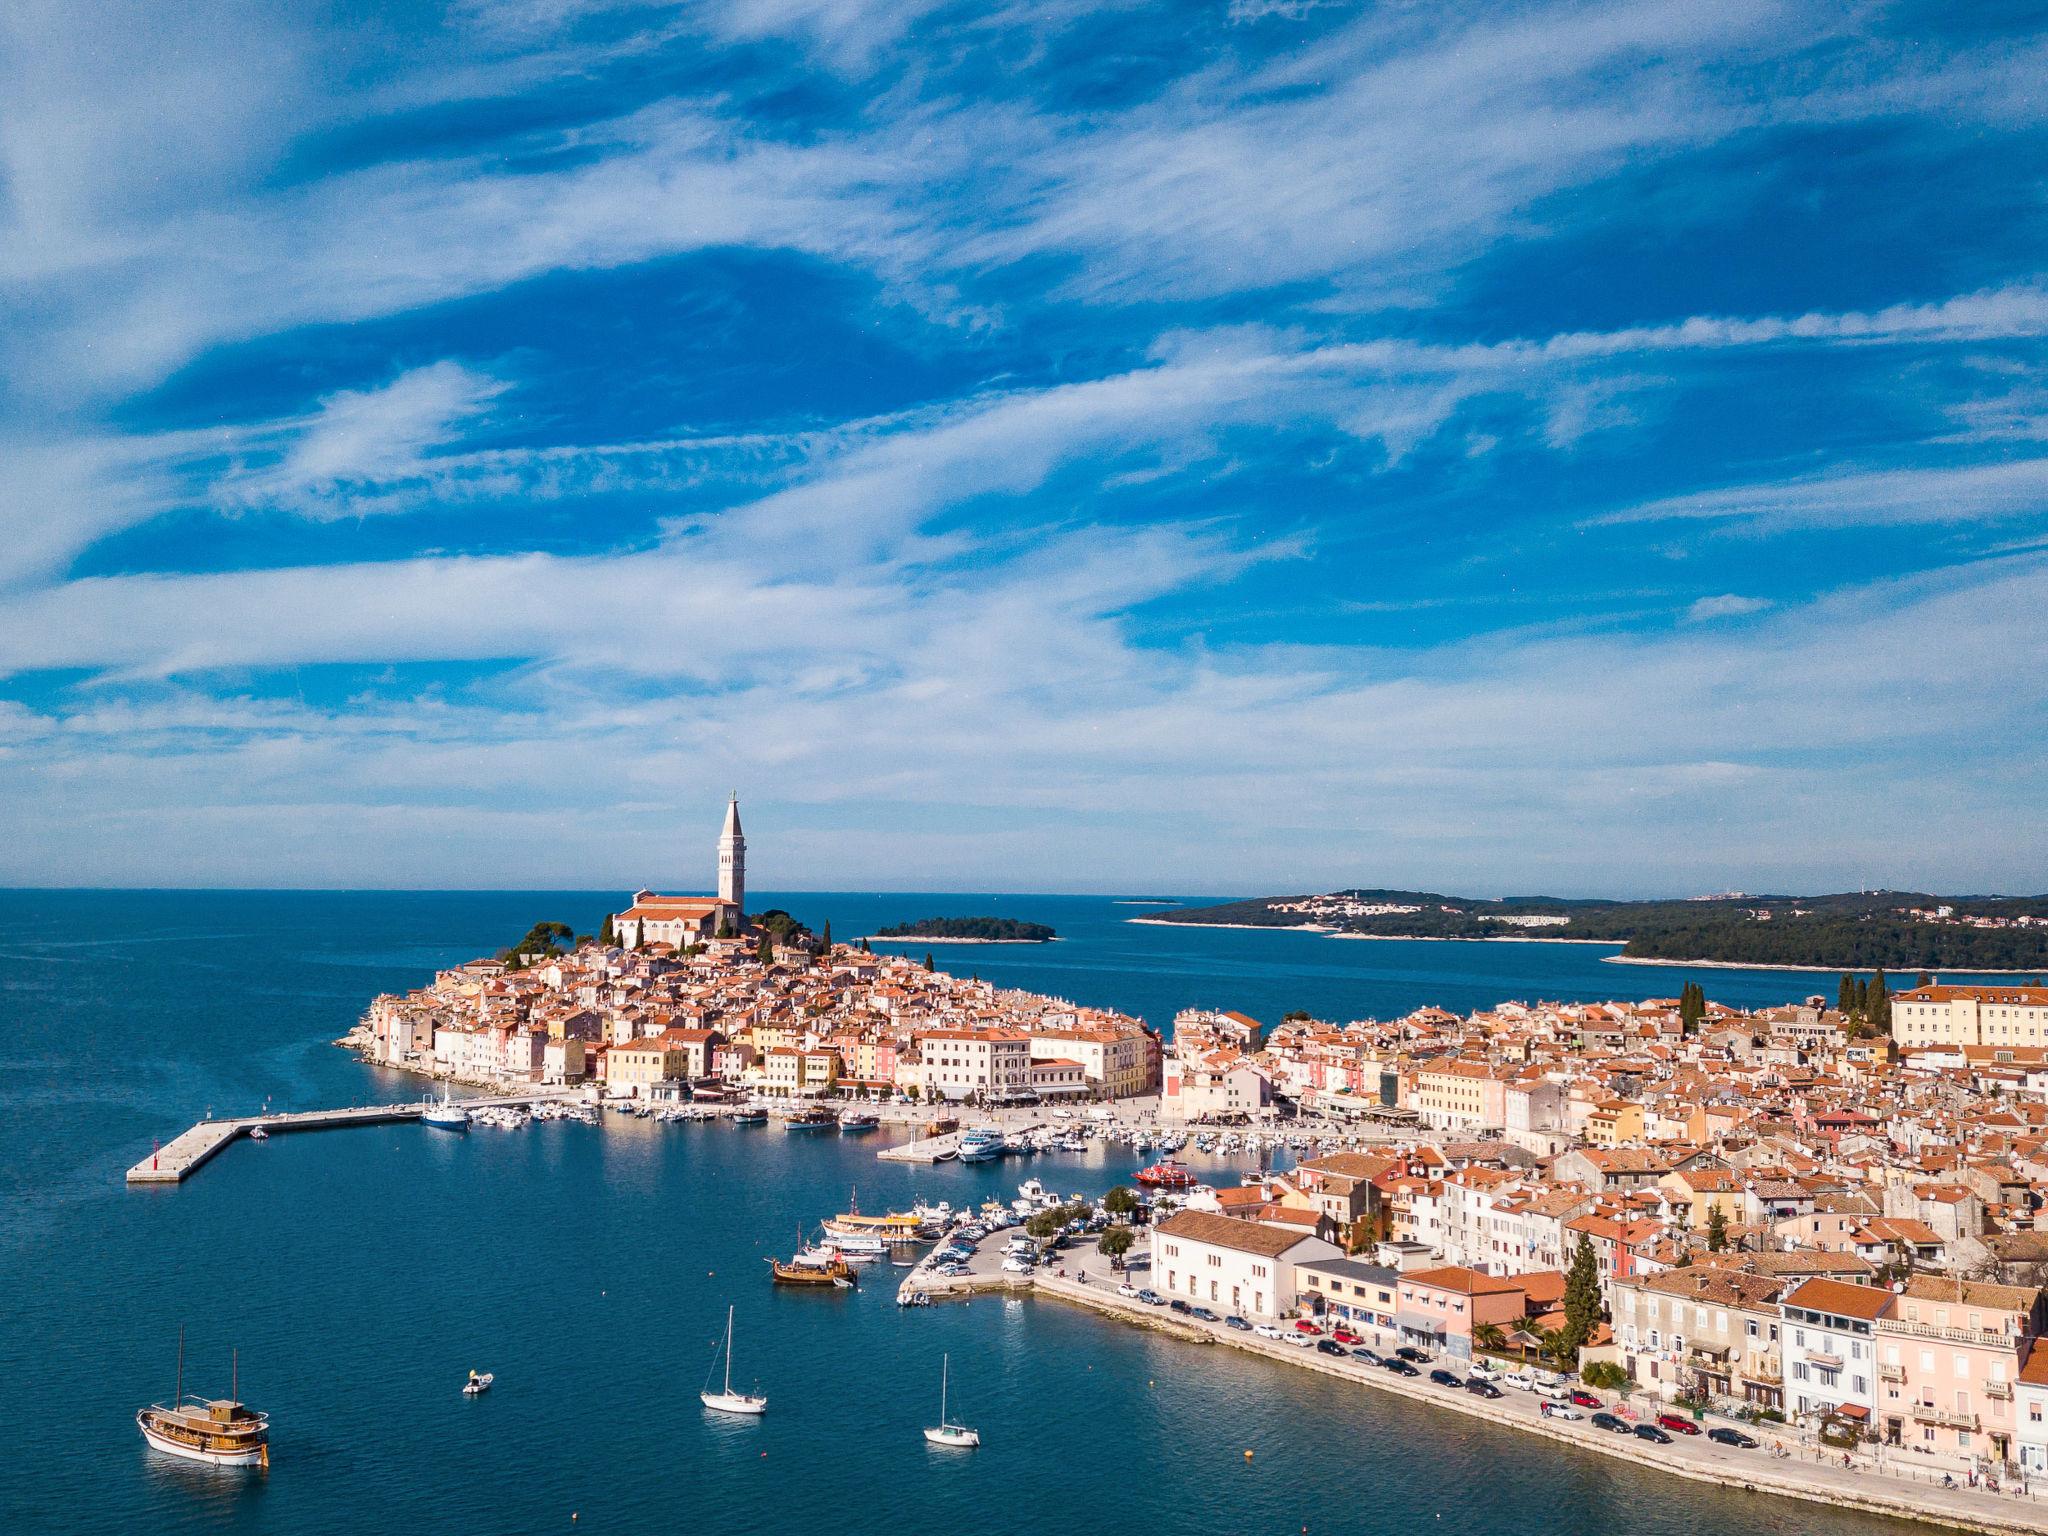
[1081, 1277]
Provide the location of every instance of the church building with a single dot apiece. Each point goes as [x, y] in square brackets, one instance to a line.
[680, 920]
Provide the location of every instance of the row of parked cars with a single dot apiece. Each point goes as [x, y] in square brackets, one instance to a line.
[1560, 1400]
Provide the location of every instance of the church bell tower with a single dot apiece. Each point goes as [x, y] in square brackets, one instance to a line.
[732, 861]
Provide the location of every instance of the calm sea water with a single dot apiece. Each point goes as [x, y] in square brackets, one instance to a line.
[363, 1273]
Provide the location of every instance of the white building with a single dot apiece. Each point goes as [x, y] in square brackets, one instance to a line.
[958, 1063]
[1829, 1351]
[1232, 1266]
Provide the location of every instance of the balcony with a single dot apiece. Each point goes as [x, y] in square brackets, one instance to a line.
[1943, 1418]
[1985, 1338]
[2002, 1390]
[1891, 1373]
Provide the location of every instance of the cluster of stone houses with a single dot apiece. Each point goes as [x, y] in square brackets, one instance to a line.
[662, 1021]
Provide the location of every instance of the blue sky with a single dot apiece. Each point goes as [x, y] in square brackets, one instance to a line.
[1230, 446]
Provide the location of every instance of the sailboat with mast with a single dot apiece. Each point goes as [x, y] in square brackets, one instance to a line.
[727, 1400]
[947, 1432]
[225, 1432]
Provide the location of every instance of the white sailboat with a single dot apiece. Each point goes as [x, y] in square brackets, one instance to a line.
[947, 1432]
[729, 1401]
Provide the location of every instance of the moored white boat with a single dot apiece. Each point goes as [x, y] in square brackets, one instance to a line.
[444, 1114]
[725, 1400]
[946, 1432]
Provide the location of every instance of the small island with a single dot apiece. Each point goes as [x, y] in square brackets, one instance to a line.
[970, 930]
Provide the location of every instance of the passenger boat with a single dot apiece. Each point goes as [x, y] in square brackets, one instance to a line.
[224, 1432]
[444, 1114]
[726, 1400]
[477, 1385]
[751, 1114]
[947, 1432]
[854, 1121]
[855, 1249]
[815, 1266]
[815, 1118]
[1166, 1174]
[896, 1227]
[981, 1144]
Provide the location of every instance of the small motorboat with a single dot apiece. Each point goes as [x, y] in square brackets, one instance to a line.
[478, 1384]
[257, 1133]
[946, 1432]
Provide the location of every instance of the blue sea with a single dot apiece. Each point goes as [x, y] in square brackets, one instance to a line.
[361, 1274]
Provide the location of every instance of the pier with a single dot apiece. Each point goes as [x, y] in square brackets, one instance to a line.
[185, 1154]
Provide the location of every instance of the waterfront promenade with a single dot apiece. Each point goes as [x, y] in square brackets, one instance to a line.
[1083, 1277]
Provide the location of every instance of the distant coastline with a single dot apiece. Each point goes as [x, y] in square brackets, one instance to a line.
[1821, 970]
[1402, 938]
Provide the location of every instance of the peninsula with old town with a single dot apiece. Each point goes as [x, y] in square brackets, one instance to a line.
[1801, 1247]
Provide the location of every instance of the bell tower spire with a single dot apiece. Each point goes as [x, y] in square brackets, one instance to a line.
[732, 860]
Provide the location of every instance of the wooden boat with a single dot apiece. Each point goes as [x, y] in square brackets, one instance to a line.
[224, 1432]
[815, 1266]
[895, 1227]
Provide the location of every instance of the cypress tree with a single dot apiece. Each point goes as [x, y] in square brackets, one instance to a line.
[765, 953]
[605, 935]
[1878, 1011]
[825, 938]
[928, 961]
[1717, 1229]
[1581, 1304]
[1845, 995]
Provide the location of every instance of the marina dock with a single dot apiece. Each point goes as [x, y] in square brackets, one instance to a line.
[184, 1155]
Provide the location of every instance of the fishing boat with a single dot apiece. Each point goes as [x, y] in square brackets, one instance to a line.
[478, 1384]
[751, 1114]
[444, 1114]
[224, 1432]
[853, 1122]
[1166, 1174]
[815, 1118]
[947, 1432]
[726, 1400]
[981, 1144]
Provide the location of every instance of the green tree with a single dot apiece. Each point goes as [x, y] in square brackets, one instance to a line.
[864, 949]
[928, 961]
[1717, 1229]
[725, 928]
[1581, 1303]
[1488, 1336]
[1877, 1009]
[1845, 995]
[825, 938]
[1046, 1223]
[765, 950]
[1115, 1241]
[1120, 1201]
[606, 935]
[1296, 1016]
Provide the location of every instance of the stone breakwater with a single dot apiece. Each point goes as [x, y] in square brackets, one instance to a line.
[1964, 1509]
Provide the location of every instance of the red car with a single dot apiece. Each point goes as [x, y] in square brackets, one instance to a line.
[1584, 1399]
[1345, 1336]
[1677, 1423]
[1305, 1326]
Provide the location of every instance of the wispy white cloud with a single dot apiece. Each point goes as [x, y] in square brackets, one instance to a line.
[1845, 499]
[1728, 605]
